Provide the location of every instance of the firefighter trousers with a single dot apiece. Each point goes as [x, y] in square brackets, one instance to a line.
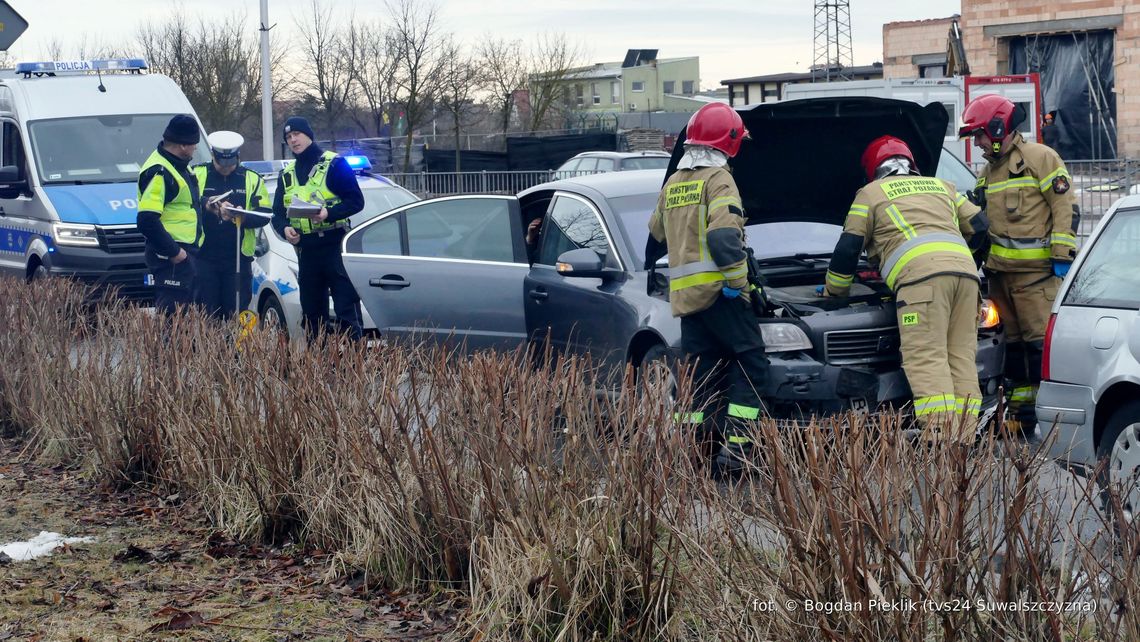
[724, 344]
[1024, 301]
[938, 327]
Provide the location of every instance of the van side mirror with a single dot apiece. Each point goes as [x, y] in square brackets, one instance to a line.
[11, 183]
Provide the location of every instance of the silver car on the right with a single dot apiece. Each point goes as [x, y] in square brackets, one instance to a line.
[1088, 407]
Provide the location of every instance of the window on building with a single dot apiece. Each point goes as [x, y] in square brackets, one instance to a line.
[668, 86]
[687, 87]
[594, 93]
[615, 92]
[579, 95]
[770, 92]
[637, 85]
[932, 71]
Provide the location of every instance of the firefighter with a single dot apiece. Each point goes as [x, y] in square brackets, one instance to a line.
[226, 258]
[915, 229]
[1027, 194]
[168, 216]
[324, 178]
[699, 220]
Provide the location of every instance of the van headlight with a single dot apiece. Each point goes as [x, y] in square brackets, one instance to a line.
[784, 337]
[73, 234]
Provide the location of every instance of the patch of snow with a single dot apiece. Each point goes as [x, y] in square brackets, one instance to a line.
[42, 544]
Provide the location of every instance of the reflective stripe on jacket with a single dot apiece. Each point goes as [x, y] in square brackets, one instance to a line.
[1031, 207]
[314, 190]
[693, 203]
[179, 216]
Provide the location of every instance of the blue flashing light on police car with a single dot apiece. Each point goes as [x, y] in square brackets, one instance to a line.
[52, 67]
[358, 163]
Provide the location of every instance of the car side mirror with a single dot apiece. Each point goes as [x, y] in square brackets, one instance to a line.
[584, 263]
[11, 183]
[260, 245]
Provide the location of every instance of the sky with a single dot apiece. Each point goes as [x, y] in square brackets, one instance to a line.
[734, 38]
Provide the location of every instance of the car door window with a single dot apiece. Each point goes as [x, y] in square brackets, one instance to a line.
[570, 225]
[469, 229]
[570, 165]
[381, 237]
[588, 165]
[1108, 276]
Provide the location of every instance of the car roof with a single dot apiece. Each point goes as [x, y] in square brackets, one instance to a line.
[608, 184]
[621, 154]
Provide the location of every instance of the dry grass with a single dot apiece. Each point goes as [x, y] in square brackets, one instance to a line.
[565, 515]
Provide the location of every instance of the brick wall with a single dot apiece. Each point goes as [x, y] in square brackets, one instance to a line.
[903, 40]
[988, 56]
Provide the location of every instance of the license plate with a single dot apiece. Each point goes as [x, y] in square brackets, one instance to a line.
[860, 407]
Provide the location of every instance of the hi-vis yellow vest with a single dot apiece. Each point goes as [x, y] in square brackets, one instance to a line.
[180, 215]
[315, 190]
[254, 187]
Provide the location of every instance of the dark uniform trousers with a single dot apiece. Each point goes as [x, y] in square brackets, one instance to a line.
[175, 285]
[725, 343]
[218, 287]
[321, 270]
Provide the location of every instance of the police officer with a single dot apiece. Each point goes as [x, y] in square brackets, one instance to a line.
[224, 266]
[318, 176]
[1034, 218]
[168, 215]
[915, 229]
[699, 220]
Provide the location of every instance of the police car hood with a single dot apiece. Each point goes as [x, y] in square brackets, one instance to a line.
[802, 163]
[101, 204]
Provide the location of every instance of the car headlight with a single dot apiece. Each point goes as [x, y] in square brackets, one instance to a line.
[784, 337]
[988, 319]
[72, 234]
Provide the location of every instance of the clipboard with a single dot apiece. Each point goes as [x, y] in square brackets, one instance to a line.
[238, 211]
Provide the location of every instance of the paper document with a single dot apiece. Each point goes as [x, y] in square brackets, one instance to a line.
[237, 211]
[219, 198]
[303, 209]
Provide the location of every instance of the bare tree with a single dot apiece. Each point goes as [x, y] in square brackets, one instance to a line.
[552, 60]
[329, 59]
[375, 76]
[504, 72]
[416, 42]
[459, 79]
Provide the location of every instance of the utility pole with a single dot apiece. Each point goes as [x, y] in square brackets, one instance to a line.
[266, 86]
[832, 58]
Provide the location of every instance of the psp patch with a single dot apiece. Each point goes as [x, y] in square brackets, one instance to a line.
[910, 318]
[1060, 184]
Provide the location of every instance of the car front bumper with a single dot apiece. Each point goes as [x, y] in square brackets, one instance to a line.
[102, 270]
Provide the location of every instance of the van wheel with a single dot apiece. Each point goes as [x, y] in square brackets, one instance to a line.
[1119, 449]
[272, 315]
[37, 273]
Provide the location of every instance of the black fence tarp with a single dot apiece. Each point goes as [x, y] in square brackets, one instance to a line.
[443, 160]
[1077, 78]
[548, 152]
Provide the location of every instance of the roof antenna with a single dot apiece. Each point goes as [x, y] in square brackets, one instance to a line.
[99, 74]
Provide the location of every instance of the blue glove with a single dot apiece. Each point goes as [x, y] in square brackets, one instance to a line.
[729, 293]
[819, 291]
[1061, 268]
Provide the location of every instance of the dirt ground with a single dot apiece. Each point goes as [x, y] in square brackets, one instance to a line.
[156, 570]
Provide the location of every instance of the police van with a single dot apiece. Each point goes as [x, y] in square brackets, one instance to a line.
[72, 137]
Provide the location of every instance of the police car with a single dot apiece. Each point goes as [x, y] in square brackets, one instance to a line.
[276, 298]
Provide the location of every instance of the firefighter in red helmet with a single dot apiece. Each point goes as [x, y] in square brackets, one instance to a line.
[1026, 191]
[700, 219]
[915, 229]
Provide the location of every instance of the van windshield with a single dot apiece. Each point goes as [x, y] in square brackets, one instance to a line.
[98, 149]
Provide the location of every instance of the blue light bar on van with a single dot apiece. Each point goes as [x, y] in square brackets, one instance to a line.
[80, 66]
[358, 163]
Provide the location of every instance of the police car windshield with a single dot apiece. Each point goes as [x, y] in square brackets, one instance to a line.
[98, 149]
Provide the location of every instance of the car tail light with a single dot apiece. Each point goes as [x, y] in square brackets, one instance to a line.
[1046, 350]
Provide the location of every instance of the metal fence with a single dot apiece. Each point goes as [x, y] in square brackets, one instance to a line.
[1096, 184]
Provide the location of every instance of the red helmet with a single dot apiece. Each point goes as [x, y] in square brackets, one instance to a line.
[881, 149]
[718, 126]
[993, 115]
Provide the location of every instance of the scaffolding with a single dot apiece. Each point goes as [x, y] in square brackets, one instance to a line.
[832, 59]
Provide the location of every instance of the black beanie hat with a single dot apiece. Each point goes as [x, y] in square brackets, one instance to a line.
[298, 124]
[182, 129]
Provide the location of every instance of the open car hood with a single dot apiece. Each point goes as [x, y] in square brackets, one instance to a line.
[802, 163]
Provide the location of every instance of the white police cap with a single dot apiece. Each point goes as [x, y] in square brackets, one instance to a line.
[225, 144]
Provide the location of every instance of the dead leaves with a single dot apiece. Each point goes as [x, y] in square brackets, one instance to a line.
[179, 620]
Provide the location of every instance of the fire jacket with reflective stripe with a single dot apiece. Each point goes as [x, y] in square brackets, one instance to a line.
[253, 196]
[1031, 207]
[314, 190]
[174, 196]
[912, 227]
[700, 218]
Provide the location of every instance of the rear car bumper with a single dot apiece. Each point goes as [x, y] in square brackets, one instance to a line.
[1065, 417]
